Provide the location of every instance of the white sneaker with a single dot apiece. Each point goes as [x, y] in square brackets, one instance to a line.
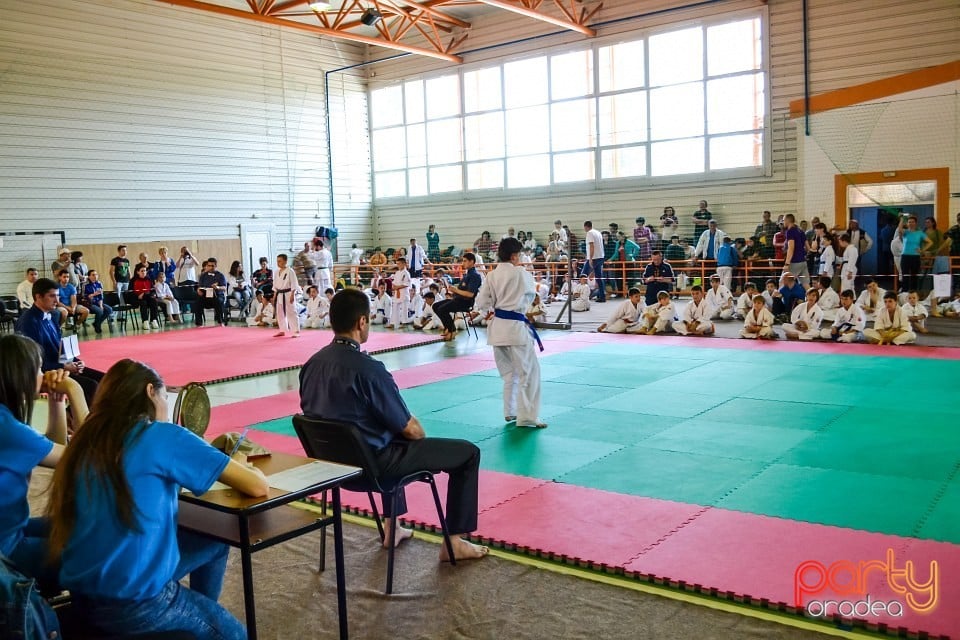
[154, 324]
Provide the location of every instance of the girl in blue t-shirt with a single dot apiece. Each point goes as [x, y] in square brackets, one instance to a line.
[22, 538]
[915, 242]
[113, 511]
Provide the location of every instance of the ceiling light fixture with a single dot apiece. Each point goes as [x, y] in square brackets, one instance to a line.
[370, 17]
[319, 5]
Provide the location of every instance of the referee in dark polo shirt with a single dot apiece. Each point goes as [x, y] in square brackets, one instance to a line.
[342, 383]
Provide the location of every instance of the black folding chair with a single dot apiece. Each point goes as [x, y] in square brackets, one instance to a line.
[121, 308]
[188, 298]
[341, 442]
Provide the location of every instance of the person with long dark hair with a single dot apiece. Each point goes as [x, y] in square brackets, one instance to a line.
[22, 538]
[113, 513]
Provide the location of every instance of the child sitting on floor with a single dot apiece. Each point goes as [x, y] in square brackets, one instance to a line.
[658, 318]
[536, 312]
[626, 315]
[745, 301]
[266, 316]
[428, 320]
[759, 322]
[916, 312]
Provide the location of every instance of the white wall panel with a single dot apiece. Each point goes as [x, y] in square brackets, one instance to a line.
[127, 121]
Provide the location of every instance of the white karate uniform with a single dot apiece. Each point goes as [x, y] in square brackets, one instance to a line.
[828, 259]
[415, 308]
[318, 312]
[829, 303]
[717, 299]
[744, 305]
[812, 317]
[256, 307]
[764, 319]
[581, 297]
[401, 298]
[767, 299]
[659, 317]
[267, 314]
[380, 309]
[696, 314]
[870, 306]
[324, 262]
[852, 320]
[428, 320]
[163, 290]
[537, 313]
[848, 267]
[883, 322]
[512, 288]
[624, 316]
[286, 303]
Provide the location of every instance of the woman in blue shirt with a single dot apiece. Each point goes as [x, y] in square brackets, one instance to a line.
[915, 242]
[22, 538]
[113, 511]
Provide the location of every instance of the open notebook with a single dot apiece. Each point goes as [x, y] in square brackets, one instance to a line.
[306, 475]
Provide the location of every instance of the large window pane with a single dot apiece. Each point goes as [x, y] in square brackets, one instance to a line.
[443, 97]
[735, 104]
[623, 163]
[730, 152]
[413, 99]
[734, 47]
[623, 118]
[676, 56]
[528, 131]
[416, 145]
[484, 136]
[481, 90]
[386, 107]
[391, 184]
[389, 149]
[573, 124]
[676, 112]
[525, 82]
[418, 182]
[529, 171]
[485, 175]
[571, 74]
[574, 167]
[621, 66]
[443, 141]
[446, 179]
[677, 157]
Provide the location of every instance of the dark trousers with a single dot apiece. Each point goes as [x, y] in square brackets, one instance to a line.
[148, 307]
[910, 265]
[596, 266]
[203, 302]
[446, 308]
[89, 380]
[459, 459]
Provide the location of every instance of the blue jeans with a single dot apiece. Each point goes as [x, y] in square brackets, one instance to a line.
[100, 313]
[175, 608]
[596, 266]
[30, 556]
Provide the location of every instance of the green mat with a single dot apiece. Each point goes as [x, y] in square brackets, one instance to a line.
[869, 443]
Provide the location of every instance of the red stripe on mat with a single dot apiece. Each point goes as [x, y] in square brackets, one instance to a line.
[218, 353]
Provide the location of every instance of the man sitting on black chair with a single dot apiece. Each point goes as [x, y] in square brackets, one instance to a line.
[463, 298]
[212, 292]
[342, 383]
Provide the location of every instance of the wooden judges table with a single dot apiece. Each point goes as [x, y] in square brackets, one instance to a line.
[252, 524]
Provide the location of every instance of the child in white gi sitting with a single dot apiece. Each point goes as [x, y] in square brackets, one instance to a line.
[696, 316]
[580, 299]
[536, 312]
[428, 320]
[165, 295]
[658, 318]
[379, 307]
[758, 322]
[318, 309]
[266, 317]
[890, 325]
[719, 299]
[916, 312]
[626, 315]
[849, 323]
[745, 301]
[805, 318]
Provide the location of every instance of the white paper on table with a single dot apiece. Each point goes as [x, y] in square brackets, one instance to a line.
[941, 285]
[306, 475]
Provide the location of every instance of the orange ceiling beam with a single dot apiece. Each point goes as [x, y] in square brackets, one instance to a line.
[309, 28]
[536, 15]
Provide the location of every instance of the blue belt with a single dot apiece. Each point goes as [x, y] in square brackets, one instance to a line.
[503, 314]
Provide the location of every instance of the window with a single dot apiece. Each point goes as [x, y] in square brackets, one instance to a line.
[676, 102]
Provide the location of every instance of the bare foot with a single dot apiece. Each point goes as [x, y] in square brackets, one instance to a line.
[463, 550]
[402, 534]
[278, 335]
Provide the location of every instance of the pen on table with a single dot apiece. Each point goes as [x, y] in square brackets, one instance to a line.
[240, 440]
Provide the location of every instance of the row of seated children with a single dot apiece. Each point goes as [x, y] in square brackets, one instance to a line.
[314, 312]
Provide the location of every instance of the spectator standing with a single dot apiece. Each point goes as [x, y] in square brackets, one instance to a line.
[642, 236]
[764, 234]
[594, 260]
[701, 217]
[433, 244]
[708, 245]
[187, 265]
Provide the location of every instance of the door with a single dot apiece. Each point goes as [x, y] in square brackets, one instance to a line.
[257, 242]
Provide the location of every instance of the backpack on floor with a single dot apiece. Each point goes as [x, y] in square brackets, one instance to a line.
[24, 613]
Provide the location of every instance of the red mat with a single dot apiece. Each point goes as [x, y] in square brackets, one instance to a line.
[756, 557]
[214, 354]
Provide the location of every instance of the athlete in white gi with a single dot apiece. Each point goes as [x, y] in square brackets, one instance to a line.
[509, 290]
[696, 316]
[285, 287]
[401, 295]
[806, 318]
